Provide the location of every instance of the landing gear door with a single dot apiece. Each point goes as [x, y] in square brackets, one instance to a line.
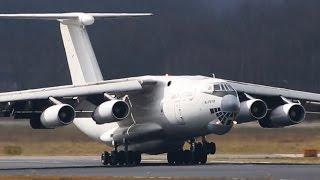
[178, 113]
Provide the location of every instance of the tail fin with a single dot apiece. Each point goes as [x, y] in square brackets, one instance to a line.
[81, 58]
[82, 61]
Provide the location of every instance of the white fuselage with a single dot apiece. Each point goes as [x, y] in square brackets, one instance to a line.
[182, 105]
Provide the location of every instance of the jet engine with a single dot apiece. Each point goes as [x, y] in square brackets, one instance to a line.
[285, 115]
[111, 111]
[251, 110]
[54, 116]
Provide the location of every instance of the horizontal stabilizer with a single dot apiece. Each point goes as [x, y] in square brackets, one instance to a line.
[61, 16]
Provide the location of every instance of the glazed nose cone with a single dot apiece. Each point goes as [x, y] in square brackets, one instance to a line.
[230, 103]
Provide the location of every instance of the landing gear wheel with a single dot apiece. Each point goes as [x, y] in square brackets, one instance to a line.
[196, 153]
[179, 157]
[130, 158]
[212, 148]
[170, 158]
[203, 158]
[105, 158]
[187, 156]
[114, 158]
[137, 158]
[133, 158]
[121, 158]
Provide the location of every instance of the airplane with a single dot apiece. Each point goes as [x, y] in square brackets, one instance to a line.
[147, 114]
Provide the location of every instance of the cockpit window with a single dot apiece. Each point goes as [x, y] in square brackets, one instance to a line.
[223, 86]
[222, 89]
[230, 87]
[216, 87]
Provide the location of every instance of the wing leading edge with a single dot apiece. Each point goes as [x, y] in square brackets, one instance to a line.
[71, 91]
[268, 91]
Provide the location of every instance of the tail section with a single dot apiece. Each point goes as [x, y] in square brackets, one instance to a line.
[82, 61]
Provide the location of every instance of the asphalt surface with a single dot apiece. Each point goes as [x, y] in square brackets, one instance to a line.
[90, 166]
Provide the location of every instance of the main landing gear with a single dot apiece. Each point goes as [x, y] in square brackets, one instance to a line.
[196, 155]
[121, 158]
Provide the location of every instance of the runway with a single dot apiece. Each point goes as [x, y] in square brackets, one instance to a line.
[90, 166]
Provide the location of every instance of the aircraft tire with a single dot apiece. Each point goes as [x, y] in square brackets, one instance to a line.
[121, 158]
[212, 148]
[170, 158]
[114, 158]
[130, 158]
[136, 158]
[179, 157]
[203, 158]
[105, 158]
[196, 153]
[187, 157]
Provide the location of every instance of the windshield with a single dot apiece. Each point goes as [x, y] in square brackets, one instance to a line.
[222, 89]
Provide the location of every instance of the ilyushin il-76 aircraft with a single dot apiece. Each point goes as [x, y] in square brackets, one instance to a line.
[147, 114]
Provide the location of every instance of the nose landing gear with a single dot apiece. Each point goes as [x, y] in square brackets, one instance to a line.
[197, 154]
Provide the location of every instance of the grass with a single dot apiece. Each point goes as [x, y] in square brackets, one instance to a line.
[252, 140]
[241, 140]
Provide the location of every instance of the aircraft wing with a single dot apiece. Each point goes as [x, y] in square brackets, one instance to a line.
[71, 91]
[261, 90]
[272, 95]
[84, 98]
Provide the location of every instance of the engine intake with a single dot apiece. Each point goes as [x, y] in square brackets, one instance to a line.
[285, 115]
[252, 110]
[57, 115]
[111, 111]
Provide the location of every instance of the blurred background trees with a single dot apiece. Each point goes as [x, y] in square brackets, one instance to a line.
[272, 42]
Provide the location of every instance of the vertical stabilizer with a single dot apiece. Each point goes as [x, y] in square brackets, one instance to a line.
[82, 61]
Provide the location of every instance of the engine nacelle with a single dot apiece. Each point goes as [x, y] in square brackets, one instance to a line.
[252, 110]
[285, 115]
[57, 115]
[111, 111]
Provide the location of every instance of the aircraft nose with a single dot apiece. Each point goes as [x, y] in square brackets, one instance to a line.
[230, 103]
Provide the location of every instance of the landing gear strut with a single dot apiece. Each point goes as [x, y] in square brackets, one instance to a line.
[121, 158]
[197, 154]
